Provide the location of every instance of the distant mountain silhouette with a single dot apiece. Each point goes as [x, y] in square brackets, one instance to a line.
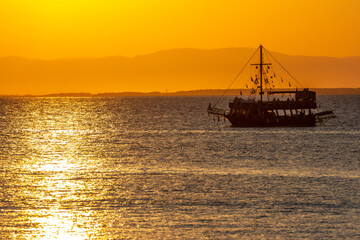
[175, 70]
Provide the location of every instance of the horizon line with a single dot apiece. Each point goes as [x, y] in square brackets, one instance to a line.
[196, 92]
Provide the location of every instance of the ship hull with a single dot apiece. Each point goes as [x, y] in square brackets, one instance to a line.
[281, 121]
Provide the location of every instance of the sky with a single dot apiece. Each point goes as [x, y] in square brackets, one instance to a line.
[54, 29]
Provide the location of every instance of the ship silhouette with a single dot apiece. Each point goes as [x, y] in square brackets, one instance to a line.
[264, 108]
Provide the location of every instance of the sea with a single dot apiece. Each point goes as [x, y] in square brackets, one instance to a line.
[161, 168]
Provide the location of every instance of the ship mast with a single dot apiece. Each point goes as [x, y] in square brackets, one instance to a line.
[261, 72]
[261, 64]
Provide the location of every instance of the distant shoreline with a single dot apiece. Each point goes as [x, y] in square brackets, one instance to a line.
[201, 92]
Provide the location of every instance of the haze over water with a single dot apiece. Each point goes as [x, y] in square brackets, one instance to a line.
[159, 167]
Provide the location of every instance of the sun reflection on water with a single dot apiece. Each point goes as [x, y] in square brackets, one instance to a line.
[54, 138]
[59, 225]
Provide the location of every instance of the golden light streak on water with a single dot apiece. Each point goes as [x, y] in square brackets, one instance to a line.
[54, 138]
[58, 225]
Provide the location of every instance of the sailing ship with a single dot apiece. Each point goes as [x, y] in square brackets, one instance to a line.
[259, 110]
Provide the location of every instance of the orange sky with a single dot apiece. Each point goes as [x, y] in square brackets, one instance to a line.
[56, 29]
[50, 29]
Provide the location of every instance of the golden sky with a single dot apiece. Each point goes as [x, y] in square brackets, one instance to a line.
[50, 29]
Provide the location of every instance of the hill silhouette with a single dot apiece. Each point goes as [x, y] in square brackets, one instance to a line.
[175, 70]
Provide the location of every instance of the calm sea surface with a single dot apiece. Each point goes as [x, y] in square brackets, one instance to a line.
[160, 168]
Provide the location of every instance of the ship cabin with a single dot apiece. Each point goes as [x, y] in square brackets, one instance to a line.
[294, 111]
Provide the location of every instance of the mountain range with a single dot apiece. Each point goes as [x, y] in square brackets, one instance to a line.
[167, 70]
